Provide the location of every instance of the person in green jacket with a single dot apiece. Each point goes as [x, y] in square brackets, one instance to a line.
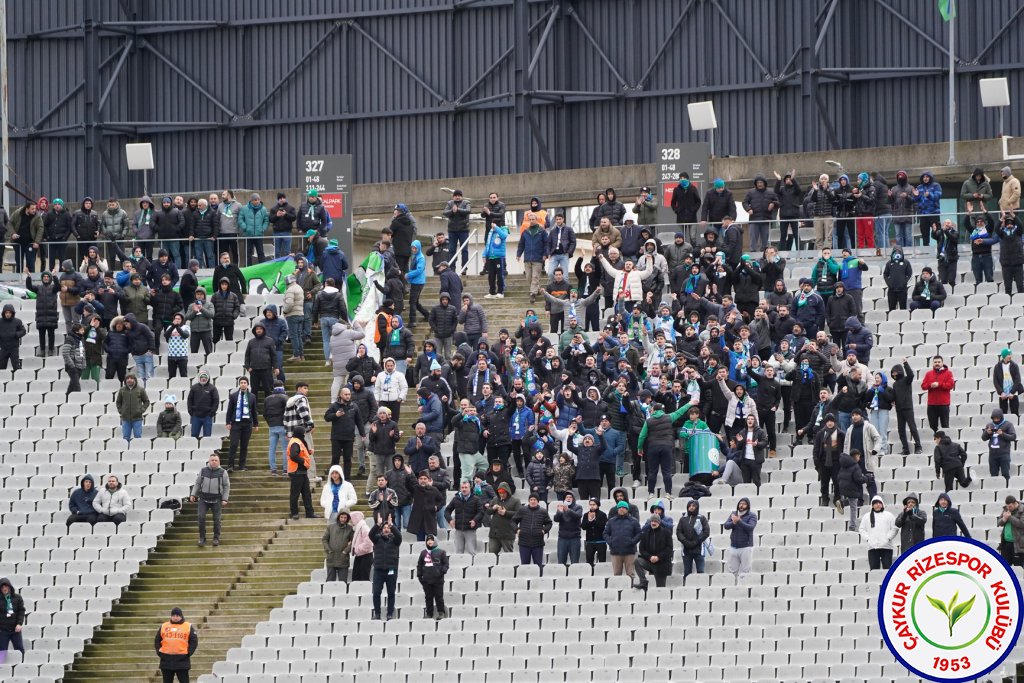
[656, 445]
[132, 403]
[825, 275]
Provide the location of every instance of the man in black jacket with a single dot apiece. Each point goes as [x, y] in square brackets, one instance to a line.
[260, 360]
[465, 512]
[790, 202]
[387, 546]
[176, 641]
[12, 618]
[430, 570]
[282, 220]
[346, 419]
[686, 203]
[654, 553]
[236, 281]
[242, 418]
[692, 531]
[533, 524]
[950, 462]
[1011, 253]
[203, 402]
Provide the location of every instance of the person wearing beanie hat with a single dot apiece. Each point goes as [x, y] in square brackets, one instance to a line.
[593, 524]
[718, 203]
[928, 291]
[685, 204]
[532, 523]
[1009, 196]
[911, 522]
[654, 553]
[175, 643]
[430, 571]
[829, 443]
[1011, 533]
[1007, 381]
[568, 517]
[168, 422]
[313, 216]
[1002, 438]
[622, 533]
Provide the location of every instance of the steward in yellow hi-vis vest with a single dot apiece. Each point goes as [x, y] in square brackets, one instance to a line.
[175, 643]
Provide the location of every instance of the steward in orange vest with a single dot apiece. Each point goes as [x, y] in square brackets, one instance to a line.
[298, 460]
[175, 642]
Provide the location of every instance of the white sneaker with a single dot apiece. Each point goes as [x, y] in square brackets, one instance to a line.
[326, 363]
[488, 296]
[668, 497]
[499, 296]
[650, 497]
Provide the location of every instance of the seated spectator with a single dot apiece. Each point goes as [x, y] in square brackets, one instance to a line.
[80, 503]
[112, 503]
[928, 292]
[168, 422]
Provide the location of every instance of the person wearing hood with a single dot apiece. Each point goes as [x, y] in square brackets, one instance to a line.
[362, 548]
[417, 278]
[112, 503]
[903, 208]
[211, 491]
[12, 618]
[911, 521]
[202, 404]
[592, 523]
[897, 274]
[946, 519]
[651, 260]
[976, 189]
[337, 495]
[1009, 196]
[403, 230]
[1011, 253]
[927, 196]
[693, 532]
[333, 263]
[338, 538]
[1007, 381]
[72, 352]
[46, 292]
[274, 407]
[1011, 531]
[612, 209]
[878, 529]
[200, 316]
[80, 503]
[132, 404]
[760, 203]
[654, 551]
[443, 321]
[11, 332]
[473, 319]
[818, 205]
[844, 204]
[620, 494]
[275, 328]
[903, 400]
[261, 360]
[431, 568]
[1002, 438]
[328, 308]
[85, 226]
[850, 483]
[740, 525]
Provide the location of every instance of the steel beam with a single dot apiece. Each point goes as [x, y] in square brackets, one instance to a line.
[397, 62]
[740, 37]
[203, 90]
[665, 43]
[597, 46]
[999, 34]
[912, 26]
[117, 72]
[552, 18]
[295, 67]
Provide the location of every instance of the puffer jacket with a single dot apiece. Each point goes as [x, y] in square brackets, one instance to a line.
[533, 525]
[463, 510]
[68, 277]
[225, 308]
[716, 205]
[857, 334]
[116, 502]
[568, 521]
[261, 351]
[200, 320]
[343, 346]
[253, 220]
[911, 524]
[444, 318]
[621, 533]
[760, 202]
[851, 479]
[878, 529]
[46, 291]
[337, 540]
[687, 529]
[742, 533]
[115, 225]
[929, 195]
[946, 522]
[474, 320]
[328, 303]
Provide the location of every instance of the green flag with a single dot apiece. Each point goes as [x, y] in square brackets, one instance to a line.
[947, 8]
[270, 276]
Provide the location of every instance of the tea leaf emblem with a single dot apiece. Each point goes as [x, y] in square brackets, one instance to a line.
[954, 612]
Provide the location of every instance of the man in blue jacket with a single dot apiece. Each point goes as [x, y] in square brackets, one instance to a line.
[417, 277]
[741, 525]
[622, 533]
[531, 250]
[927, 196]
[431, 413]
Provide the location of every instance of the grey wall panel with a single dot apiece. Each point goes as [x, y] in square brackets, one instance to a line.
[352, 95]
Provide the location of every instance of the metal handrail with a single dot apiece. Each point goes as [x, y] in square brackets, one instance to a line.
[459, 246]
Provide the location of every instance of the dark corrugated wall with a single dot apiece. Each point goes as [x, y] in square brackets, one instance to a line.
[427, 110]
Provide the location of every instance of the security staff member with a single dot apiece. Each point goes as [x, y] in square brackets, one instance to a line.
[175, 642]
[298, 473]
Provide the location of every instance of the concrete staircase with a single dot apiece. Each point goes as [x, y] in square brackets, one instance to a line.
[225, 591]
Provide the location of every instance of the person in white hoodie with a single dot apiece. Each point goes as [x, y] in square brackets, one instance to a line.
[112, 503]
[878, 529]
[337, 494]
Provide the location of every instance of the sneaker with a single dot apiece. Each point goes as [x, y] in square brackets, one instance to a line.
[620, 473]
[642, 586]
[905, 451]
[389, 617]
[361, 472]
[650, 497]
[499, 295]
[375, 615]
[488, 296]
[917, 449]
[326, 363]
[216, 542]
[202, 542]
[839, 506]
[293, 358]
[295, 516]
[668, 497]
[242, 469]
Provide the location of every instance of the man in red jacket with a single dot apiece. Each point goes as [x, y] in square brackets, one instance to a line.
[938, 382]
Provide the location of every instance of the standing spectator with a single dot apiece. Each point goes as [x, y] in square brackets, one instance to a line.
[417, 278]
[752, 440]
[828, 445]
[338, 539]
[457, 211]
[473, 319]
[655, 553]
[391, 388]
[253, 221]
[903, 392]
[274, 407]
[904, 207]
[897, 274]
[175, 643]
[878, 530]
[911, 522]
[976, 189]
[1009, 196]
[177, 350]
[57, 230]
[12, 618]
[346, 420]
[227, 307]
[741, 525]
[313, 215]
[46, 310]
[200, 316]
[337, 494]
[300, 467]
[1011, 253]
[883, 212]
[850, 484]
[236, 280]
[132, 403]
[431, 569]
[646, 208]
[622, 533]
[362, 548]
[718, 203]
[864, 209]
[387, 547]
[982, 237]
[25, 232]
[440, 251]
[72, 352]
[112, 503]
[568, 517]
[242, 419]
[465, 513]
[532, 250]
[789, 200]
[169, 225]
[114, 226]
[444, 321]
[80, 502]
[593, 523]
[560, 245]
[328, 308]
[212, 491]
[494, 262]
[293, 314]
[612, 209]
[938, 383]
[11, 332]
[760, 203]
[202, 403]
[205, 227]
[950, 462]
[1007, 381]
[845, 205]
[1002, 438]
[343, 347]
[1011, 536]
[685, 204]
[260, 360]
[229, 209]
[818, 203]
[502, 509]
[282, 222]
[493, 214]
[946, 519]
[656, 444]
[693, 531]
[402, 230]
[532, 524]
[383, 436]
[927, 196]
